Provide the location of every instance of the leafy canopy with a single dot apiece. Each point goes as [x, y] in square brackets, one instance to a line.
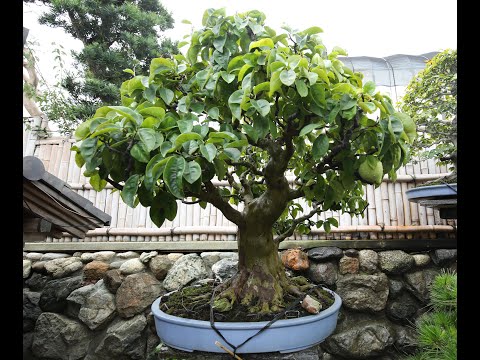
[248, 105]
[431, 101]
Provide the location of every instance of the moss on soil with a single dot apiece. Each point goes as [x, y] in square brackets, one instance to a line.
[193, 302]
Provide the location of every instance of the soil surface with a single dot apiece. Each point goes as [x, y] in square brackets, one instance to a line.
[193, 302]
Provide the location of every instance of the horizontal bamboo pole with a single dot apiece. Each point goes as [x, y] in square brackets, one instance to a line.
[54, 141]
[232, 230]
[199, 246]
[183, 230]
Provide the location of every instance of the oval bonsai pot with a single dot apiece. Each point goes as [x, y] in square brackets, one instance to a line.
[442, 197]
[432, 192]
[285, 336]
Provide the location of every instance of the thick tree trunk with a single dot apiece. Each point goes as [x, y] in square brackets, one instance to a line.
[261, 282]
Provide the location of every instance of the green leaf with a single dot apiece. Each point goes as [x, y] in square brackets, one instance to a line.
[83, 130]
[261, 87]
[293, 61]
[333, 113]
[97, 183]
[163, 207]
[154, 170]
[320, 73]
[235, 63]
[192, 54]
[262, 106]
[166, 95]
[187, 137]
[154, 111]
[318, 94]
[275, 83]
[237, 144]
[148, 138]
[128, 113]
[219, 42]
[88, 148]
[302, 89]
[232, 153]
[250, 131]
[130, 189]
[213, 113]
[287, 77]
[79, 160]
[339, 50]
[261, 126]
[397, 125]
[172, 175]
[261, 43]
[368, 106]
[234, 102]
[202, 77]
[309, 128]
[166, 147]
[150, 122]
[220, 168]
[208, 151]
[347, 102]
[145, 196]
[192, 172]
[185, 126]
[326, 226]
[243, 71]
[201, 129]
[312, 30]
[139, 152]
[129, 71]
[320, 147]
[228, 77]
[222, 135]
[149, 93]
[222, 58]
[190, 146]
[369, 88]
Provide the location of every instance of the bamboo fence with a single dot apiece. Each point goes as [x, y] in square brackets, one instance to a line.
[389, 214]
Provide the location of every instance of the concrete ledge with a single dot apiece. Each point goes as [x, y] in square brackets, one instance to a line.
[166, 353]
[199, 246]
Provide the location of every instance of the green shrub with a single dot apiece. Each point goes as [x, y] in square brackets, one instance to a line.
[437, 328]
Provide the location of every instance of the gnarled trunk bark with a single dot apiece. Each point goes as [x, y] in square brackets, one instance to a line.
[261, 282]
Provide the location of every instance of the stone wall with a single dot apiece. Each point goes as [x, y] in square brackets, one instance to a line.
[96, 306]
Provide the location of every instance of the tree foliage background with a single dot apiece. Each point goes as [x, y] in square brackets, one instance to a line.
[116, 34]
[431, 101]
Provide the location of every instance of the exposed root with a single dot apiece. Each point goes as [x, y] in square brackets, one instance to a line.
[244, 298]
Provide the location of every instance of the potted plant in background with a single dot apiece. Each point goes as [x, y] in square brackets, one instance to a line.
[280, 119]
[431, 101]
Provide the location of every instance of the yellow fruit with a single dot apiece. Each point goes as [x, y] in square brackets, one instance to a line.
[371, 170]
[408, 126]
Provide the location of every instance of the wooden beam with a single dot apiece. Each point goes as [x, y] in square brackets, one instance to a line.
[200, 246]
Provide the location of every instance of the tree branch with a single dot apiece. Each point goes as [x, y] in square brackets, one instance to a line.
[191, 202]
[250, 166]
[328, 160]
[232, 181]
[211, 195]
[114, 184]
[297, 221]
[295, 194]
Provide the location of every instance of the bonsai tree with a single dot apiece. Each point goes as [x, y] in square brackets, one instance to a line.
[431, 101]
[275, 115]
